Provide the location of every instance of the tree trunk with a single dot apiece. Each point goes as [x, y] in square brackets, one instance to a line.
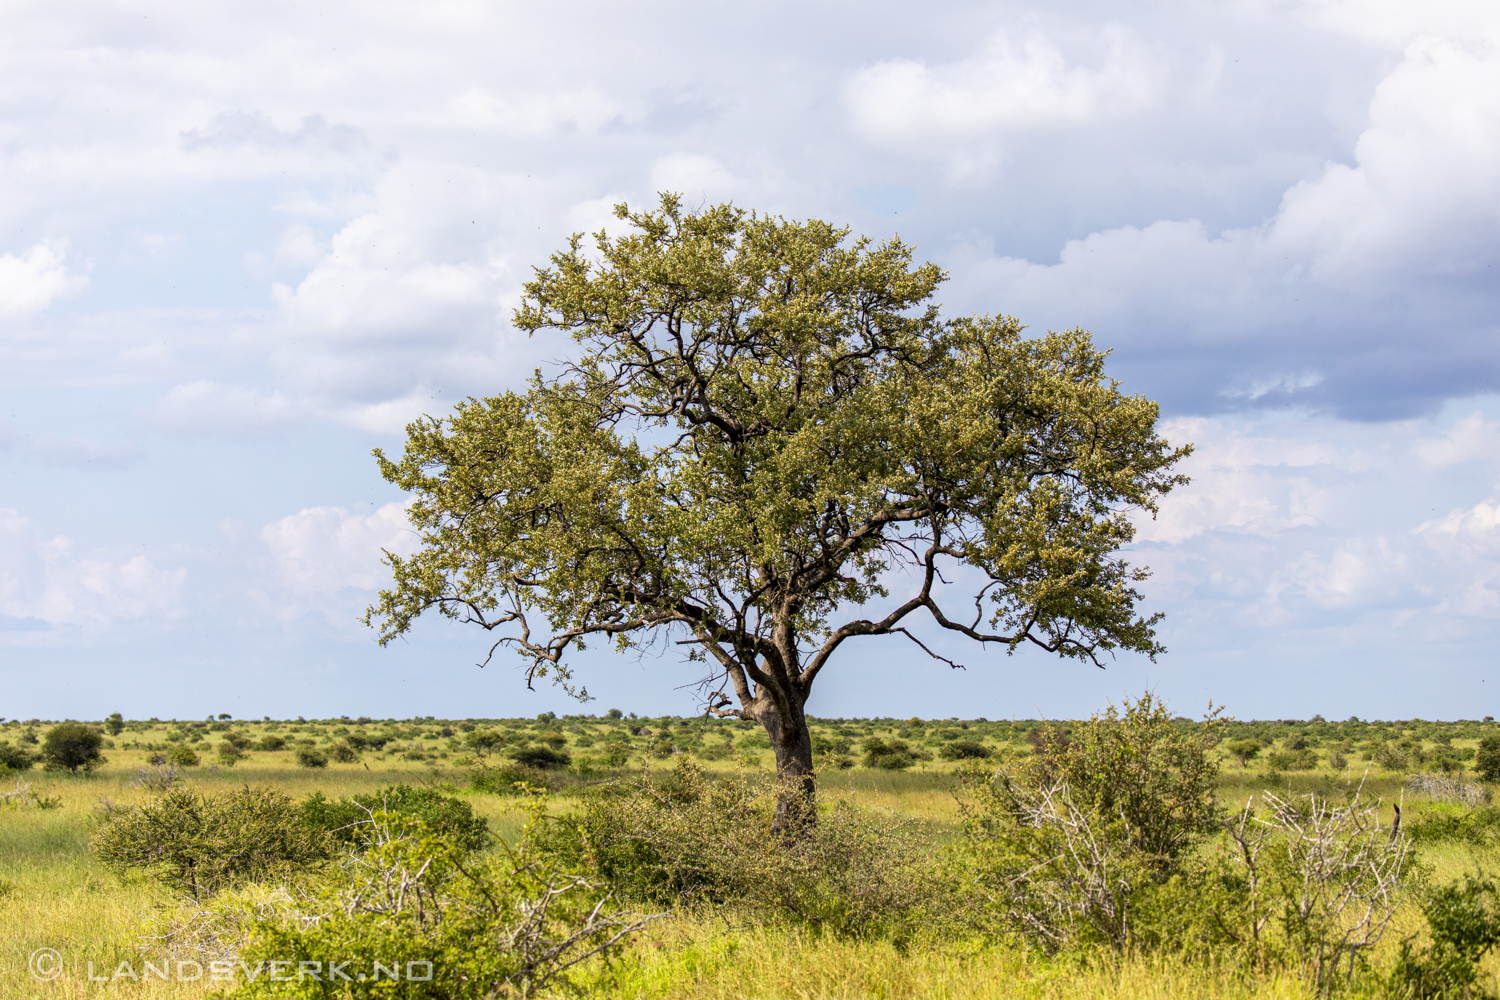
[792, 742]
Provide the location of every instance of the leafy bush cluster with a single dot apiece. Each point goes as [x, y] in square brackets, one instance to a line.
[1100, 838]
[683, 838]
[199, 845]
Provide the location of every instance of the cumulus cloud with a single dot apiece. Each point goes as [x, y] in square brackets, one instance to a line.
[31, 281]
[323, 550]
[203, 406]
[46, 580]
[1371, 290]
[1013, 85]
[231, 130]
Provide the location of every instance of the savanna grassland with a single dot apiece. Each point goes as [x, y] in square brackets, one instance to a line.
[55, 892]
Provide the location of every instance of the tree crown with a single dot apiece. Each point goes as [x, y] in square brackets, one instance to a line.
[764, 418]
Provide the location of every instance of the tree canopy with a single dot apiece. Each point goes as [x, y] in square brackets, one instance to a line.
[763, 420]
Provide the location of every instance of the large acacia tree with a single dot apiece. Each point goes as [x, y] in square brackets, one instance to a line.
[767, 422]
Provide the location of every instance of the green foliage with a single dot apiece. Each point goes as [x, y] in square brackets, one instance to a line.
[348, 820]
[888, 755]
[684, 837]
[15, 758]
[764, 416]
[509, 779]
[200, 844]
[1154, 779]
[511, 925]
[542, 757]
[1480, 827]
[1295, 760]
[965, 750]
[115, 724]
[1464, 921]
[1066, 844]
[1487, 759]
[1243, 751]
[311, 757]
[71, 747]
[342, 753]
[182, 757]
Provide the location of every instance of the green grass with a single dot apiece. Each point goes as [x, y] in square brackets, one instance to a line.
[52, 894]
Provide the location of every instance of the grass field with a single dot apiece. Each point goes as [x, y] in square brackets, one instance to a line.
[54, 895]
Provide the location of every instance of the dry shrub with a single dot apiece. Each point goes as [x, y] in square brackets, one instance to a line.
[1445, 788]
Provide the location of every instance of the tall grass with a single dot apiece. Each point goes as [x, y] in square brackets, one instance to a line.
[52, 894]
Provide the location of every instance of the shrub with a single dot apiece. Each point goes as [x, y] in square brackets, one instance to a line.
[15, 758]
[410, 898]
[965, 750]
[1464, 923]
[616, 754]
[685, 838]
[1070, 840]
[199, 844]
[1298, 760]
[888, 755]
[342, 753]
[72, 746]
[311, 757]
[182, 757]
[1243, 751]
[348, 820]
[229, 754]
[1487, 758]
[505, 779]
[542, 757]
[1480, 827]
[115, 724]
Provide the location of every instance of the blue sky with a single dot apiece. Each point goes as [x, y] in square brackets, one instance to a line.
[241, 246]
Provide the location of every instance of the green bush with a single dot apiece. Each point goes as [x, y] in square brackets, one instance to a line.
[511, 925]
[71, 747]
[200, 844]
[311, 757]
[182, 757]
[1243, 751]
[342, 753]
[1450, 824]
[348, 821]
[683, 837]
[15, 758]
[1464, 924]
[888, 755]
[1487, 758]
[1066, 844]
[542, 757]
[1295, 760]
[509, 779]
[965, 750]
[272, 742]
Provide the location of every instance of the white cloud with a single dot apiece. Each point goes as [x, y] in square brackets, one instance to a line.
[1370, 289]
[46, 579]
[1011, 86]
[694, 176]
[31, 282]
[1471, 437]
[322, 550]
[204, 406]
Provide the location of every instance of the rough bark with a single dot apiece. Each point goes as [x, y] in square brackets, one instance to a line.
[791, 740]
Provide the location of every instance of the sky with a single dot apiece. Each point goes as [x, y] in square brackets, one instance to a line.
[243, 244]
